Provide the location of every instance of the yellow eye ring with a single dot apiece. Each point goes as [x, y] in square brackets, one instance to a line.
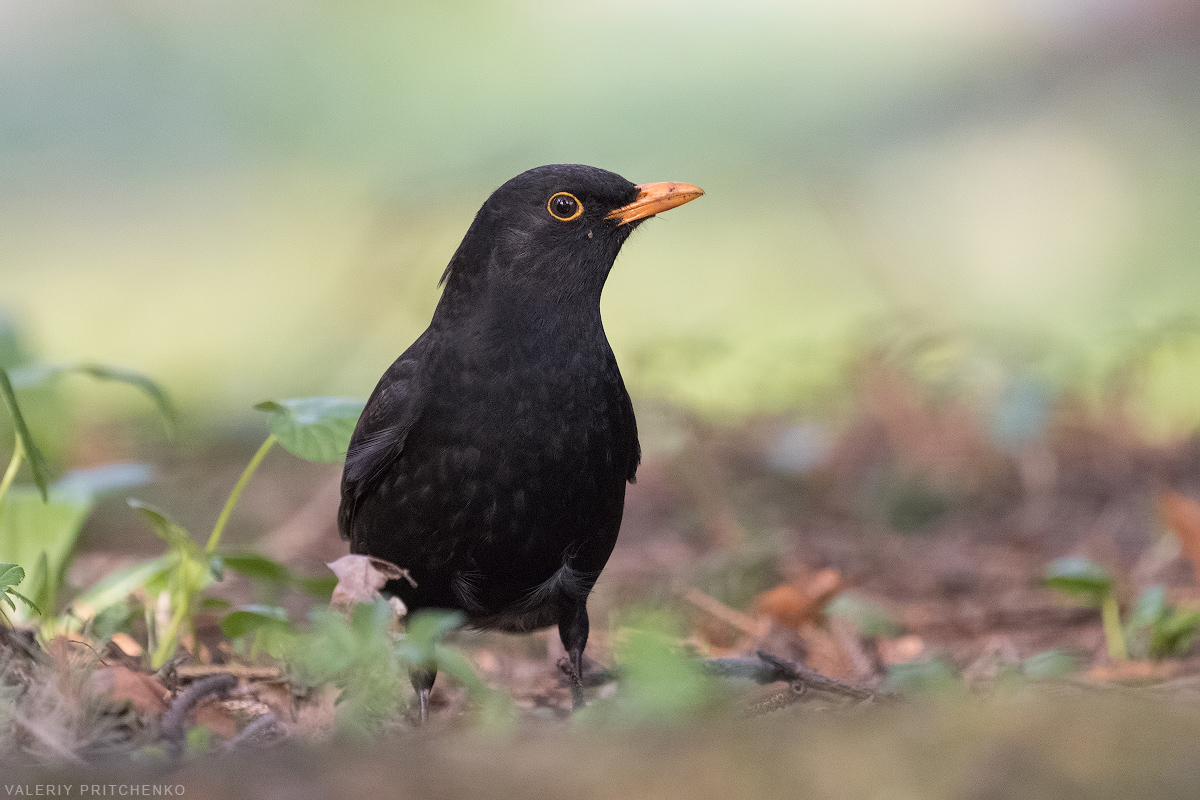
[564, 206]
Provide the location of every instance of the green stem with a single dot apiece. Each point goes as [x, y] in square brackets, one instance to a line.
[1110, 612]
[215, 537]
[11, 473]
[167, 642]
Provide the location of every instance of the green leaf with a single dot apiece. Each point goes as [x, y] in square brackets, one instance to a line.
[318, 587]
[11, 575]
[37, 461]
[1080, 577]
[1150, 607]
[921, 676]
[37, 374]
[256, 566]
[423, 630]
[451, 661]
[115, 587]
[24, 599]
[199, 740]
[109, 621]
[32, 530]
[659, 681]
[314, 428]
[12, 352]
[89, 484]
[870, 618]
[1049, 664]
[163, 525]
[253, 618]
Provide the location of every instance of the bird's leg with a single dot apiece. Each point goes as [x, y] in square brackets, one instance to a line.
[422, 681]
[573, 630]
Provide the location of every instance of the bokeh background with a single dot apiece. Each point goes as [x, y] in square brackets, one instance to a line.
[255, 199]
[935, 325]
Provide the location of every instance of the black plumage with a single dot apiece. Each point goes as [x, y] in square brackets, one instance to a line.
[492, 457]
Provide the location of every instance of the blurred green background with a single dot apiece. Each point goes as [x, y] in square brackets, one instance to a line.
[255, 199]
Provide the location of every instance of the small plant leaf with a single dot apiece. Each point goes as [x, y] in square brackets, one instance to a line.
[869, 617]
[163, 525]
[1049, 664]
[253, 618]
[88, 484]
[921, 676]
[318, 587]
[37, 374]
[37, 461]
[256, 566]
[1150, 607]
[11, 575]
[314, 428]
[1080, 577]
[115, 587]
[24, 599]
[423, 632]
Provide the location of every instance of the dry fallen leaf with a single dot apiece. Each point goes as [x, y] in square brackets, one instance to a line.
[791, 606]
[218, 717]
[784, 604]
[825, 653]
[360, 579]
[145, 692]
[1182, 515]
[127, 644]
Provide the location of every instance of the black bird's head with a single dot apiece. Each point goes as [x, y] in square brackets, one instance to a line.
[551, 234]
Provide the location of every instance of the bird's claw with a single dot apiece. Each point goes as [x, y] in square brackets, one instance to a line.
[576, 680]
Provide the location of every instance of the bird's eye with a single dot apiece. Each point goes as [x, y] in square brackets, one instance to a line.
[564, 206]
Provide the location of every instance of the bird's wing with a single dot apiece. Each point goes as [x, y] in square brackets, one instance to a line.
[379, 437]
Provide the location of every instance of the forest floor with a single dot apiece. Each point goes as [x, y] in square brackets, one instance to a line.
[901, 554]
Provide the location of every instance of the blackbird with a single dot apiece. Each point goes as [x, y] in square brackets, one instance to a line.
[492, 457]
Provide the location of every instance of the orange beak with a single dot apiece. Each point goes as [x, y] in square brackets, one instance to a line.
[654, 198]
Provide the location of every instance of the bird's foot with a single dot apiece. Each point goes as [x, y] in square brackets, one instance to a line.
[423, 703]
[576, 679]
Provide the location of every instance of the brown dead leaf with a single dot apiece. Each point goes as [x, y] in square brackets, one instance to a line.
[219, 718]
[360, 579]
[1182, 515]
[127, 644]
[825, 654]
[784, 604]
[791, 606]
[145, 692]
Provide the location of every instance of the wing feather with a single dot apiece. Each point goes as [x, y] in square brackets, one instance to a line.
[378, 439]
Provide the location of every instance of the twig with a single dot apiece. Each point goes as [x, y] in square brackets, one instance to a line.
[241, 671]
[260, 728]
[767, 668]
[172, 721]
[730, 616]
